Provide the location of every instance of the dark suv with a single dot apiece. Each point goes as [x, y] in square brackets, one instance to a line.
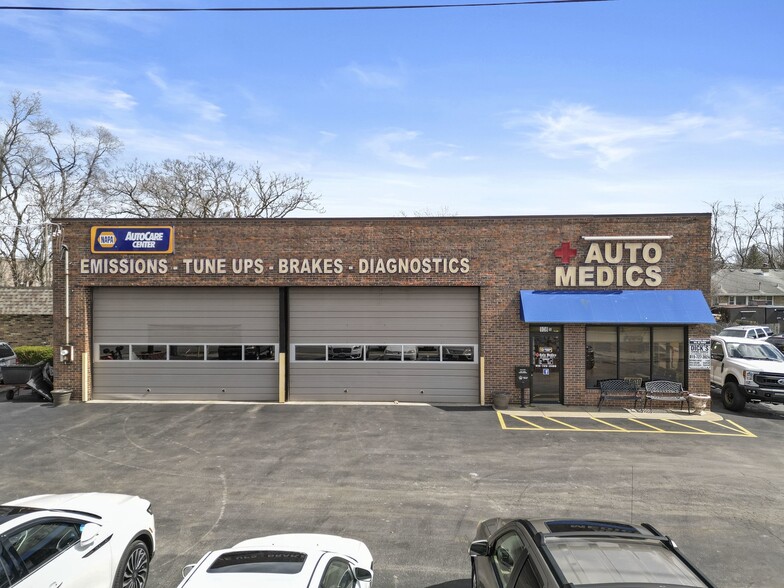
[559, 553]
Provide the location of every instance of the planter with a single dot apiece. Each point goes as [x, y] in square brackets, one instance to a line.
[501, 400]
[61, 397]
[698, 403]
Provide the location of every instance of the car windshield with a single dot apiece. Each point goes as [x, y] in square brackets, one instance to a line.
[764, 352]
[605, 561]
[258, 562]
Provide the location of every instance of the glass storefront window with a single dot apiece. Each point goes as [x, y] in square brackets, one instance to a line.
[634, 345]
[601, 354]
[649, 353]
[669, 354]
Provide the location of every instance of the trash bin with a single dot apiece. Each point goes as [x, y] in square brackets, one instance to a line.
[500, 400]
[61, 397]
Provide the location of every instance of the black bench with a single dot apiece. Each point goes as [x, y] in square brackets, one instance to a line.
[616, 389]
[665, 391]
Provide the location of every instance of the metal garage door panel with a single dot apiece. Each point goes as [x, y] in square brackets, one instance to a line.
[123, 316]
[458, 383]
[385, 316]
[177, 315]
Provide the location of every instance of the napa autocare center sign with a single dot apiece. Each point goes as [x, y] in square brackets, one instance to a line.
[132, 240]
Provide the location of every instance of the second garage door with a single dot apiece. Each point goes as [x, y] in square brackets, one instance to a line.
[382, 344]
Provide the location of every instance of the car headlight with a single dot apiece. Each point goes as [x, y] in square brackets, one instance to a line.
[748, 377]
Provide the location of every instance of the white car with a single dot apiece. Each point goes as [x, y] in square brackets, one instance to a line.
[748, 332]
[85, 540]
[284, 561]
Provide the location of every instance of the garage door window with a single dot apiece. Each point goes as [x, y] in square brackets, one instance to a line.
[357, 352]
[192, 352]
[186, 352]
[310, 353]
[148, 352]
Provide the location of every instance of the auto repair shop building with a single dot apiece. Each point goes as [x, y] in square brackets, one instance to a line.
[437, 310]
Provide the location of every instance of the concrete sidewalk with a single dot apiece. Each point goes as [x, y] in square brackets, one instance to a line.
[545, 410]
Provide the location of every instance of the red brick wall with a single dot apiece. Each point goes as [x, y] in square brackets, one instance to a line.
[26, 329]
[506, 254]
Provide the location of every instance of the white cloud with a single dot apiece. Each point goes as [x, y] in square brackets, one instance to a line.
[383, 146]
[387, 147]
[87, 93]
[327, 137]
[574, 131]
[373, 78]
[181, 95]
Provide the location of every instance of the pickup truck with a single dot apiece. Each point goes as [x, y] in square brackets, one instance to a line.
[746, 370]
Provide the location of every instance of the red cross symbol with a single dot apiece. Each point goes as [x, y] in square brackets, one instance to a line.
[565, 252]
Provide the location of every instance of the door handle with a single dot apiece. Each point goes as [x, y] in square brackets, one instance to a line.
[55, 585]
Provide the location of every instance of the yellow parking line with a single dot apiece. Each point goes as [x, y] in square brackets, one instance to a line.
[736, 430]
[682, 424]
[743, 430]
[529, 423]
[564, 424]
[639, 422]
[611, 425]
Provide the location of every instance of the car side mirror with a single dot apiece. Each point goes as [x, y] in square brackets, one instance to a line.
[89, 533]
[481, 547]
[187, 569]
[363, 575]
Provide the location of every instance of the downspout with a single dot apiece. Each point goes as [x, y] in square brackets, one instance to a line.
[67, 298]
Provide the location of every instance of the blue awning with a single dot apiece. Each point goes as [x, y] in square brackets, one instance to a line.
[661, 307]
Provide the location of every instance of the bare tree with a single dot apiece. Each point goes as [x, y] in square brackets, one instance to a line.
[207, 187]
[719, 234]
[44, 174]
[772, 236]
[744, 230]
[444, 210]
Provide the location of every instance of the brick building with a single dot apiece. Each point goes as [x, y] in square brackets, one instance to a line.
[438, 310]
[26, 316]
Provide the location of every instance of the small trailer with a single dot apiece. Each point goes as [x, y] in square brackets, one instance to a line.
[37, 378]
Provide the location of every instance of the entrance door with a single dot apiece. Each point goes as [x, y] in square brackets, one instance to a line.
[547, 360]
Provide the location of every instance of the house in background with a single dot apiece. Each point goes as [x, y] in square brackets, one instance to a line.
[26, 316]
[748, 296]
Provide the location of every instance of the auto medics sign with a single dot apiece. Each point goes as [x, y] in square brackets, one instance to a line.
[615, 262]
[132, 240]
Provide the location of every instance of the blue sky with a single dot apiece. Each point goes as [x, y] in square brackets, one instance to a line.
[632, 106]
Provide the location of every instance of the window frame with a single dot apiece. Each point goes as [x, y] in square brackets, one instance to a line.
[405, 348]
[652, 343]
[98, 347]
[349, 570]
[28, 570]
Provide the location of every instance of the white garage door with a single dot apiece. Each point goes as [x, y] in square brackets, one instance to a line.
[185, 343]
[381, 344]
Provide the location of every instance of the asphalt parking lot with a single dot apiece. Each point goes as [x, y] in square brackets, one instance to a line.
[410, 481]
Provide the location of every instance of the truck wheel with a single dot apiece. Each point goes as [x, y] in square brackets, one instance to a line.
[9, 395]
[732, 397]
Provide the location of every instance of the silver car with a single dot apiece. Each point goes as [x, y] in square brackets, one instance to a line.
[7, 357]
